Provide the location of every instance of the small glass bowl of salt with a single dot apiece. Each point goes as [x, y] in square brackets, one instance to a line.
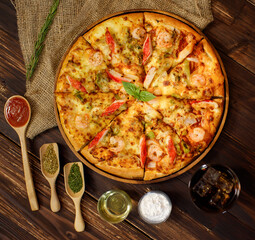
[155, 207]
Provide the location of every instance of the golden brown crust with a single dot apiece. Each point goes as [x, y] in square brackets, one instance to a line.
[135, 18]
[59, 84]
[86, 153]
[154, 173]
[131, 173]
[77, 144]
[217, 73]
[166, 20]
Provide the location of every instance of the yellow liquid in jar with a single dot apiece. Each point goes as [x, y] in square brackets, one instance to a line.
[114, 206]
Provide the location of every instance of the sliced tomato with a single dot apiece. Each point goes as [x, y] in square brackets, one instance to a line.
[110, 41]
[117, 77]
[171, 150]
[113, 107]
[149, 77]
[76, 84]
[147, 49]
[98, 138]
[143, 150]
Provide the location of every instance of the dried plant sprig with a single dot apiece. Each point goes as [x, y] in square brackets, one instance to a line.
[40, 40]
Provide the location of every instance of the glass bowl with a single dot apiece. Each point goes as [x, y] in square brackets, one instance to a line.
[214, 188]
[155, 207]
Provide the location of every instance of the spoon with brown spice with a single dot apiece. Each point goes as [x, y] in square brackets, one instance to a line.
[50, 167]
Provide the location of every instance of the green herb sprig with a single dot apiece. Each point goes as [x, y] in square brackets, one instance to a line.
[40, 39]
[136, 92]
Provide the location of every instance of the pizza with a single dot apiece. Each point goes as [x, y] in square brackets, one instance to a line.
[140, 95]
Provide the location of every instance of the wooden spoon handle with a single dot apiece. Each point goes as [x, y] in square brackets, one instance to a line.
[54, 201]
[27, 173]
[79, 224]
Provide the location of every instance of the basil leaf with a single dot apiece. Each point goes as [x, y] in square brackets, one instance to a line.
[130, 88]
[146, 96]
[135, 91]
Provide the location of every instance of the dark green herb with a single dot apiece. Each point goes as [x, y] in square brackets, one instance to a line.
[50, 160]
[102, 82]
[185, 147]
[78, 95]
[40, 39]
[115, 129]
[135, 91]
[75, 179]
[117, 97]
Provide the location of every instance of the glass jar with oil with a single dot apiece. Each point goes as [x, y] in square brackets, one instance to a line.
[114, 206]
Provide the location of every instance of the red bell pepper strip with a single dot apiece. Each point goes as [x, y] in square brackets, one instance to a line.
[98, 138]
[113, 107]
[110, 41]
[171, 150]
[143, 150]
[199, 101]
[147, 48]
[76, 84]
[117, 77]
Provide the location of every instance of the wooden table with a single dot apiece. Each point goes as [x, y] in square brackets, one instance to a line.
[233, 34]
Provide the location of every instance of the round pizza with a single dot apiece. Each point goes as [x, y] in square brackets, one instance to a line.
[140, 95]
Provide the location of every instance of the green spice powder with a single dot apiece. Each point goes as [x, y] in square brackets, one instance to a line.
[49, 160]
[75, 179]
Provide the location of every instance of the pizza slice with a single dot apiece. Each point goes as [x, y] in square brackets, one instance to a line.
[84, 70]
[80, 69]
[120, 39]
[116, 149]
[199, 76]
[168, 43]
[82, 115]
[166, 153]
[194, 121]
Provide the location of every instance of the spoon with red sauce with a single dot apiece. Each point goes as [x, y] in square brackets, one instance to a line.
[17, 113]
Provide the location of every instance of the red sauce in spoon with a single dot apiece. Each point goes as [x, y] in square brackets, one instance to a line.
[17, 111]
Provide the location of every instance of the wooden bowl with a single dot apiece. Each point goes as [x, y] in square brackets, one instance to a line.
[191, 164]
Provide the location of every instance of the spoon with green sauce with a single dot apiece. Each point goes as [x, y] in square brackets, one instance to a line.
[49, 157]
[75, 186]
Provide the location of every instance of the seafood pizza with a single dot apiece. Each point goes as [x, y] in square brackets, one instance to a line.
[140, 95]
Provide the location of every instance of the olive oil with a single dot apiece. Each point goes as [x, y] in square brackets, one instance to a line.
[114, 206]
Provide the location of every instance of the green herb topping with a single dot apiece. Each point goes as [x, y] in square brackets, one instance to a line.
[135, 91]
[75, 179]
[151, 135]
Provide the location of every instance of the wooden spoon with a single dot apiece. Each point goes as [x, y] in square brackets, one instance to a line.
[13, 111]
[79, 224]
[51, 178]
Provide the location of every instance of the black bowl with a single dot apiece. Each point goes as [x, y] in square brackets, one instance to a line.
[209, 194]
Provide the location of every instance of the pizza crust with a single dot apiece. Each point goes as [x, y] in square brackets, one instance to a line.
[130, 173]
[60, 84]
[151, 174]
[166, 20]
[216, 72]
[86, 153]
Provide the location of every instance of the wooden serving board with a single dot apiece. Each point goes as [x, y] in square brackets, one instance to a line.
[191, 164]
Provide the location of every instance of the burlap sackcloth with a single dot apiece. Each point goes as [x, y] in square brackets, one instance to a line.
[72, 17]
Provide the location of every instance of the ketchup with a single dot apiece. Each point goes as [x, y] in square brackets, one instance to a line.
[17, 111]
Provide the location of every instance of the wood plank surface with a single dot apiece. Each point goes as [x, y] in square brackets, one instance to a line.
[233, 35]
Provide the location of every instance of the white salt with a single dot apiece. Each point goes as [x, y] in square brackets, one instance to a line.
[155, 207]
